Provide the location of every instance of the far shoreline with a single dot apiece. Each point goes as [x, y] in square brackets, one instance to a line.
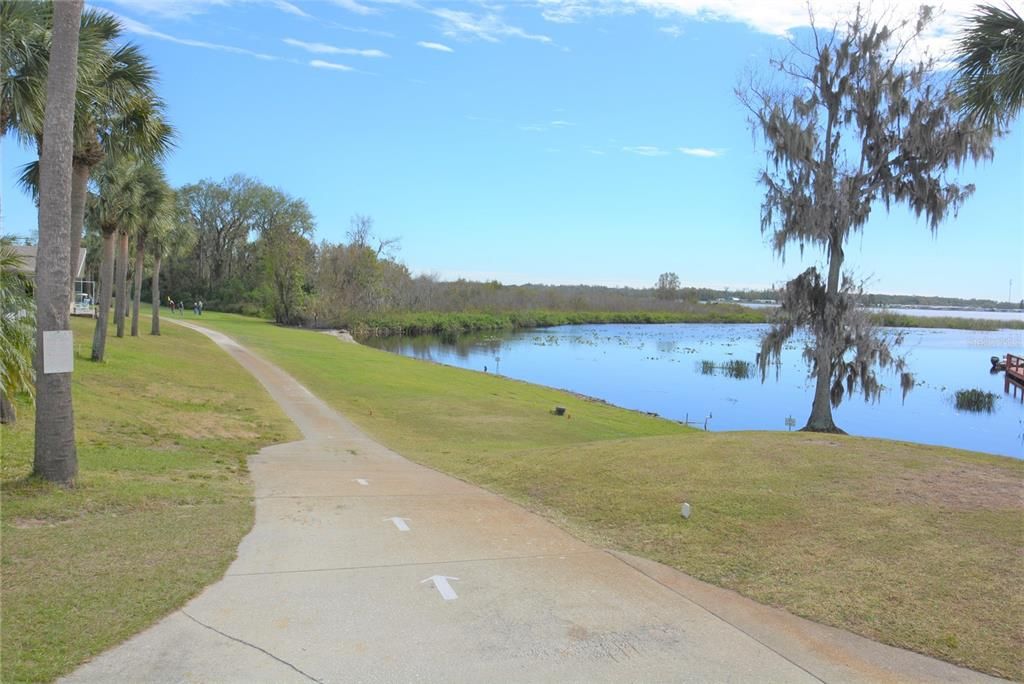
[454, 324]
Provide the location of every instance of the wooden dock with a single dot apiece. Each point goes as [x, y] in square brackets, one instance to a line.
[1014, 376]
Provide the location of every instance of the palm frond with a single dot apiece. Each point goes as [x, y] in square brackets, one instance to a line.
[17, 324]
[28, 179]
[990, 75]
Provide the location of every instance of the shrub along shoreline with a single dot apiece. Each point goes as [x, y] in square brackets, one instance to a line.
[453, 324]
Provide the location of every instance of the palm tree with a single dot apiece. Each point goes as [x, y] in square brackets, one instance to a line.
[121, 273]
[113, 206]
[55, 456]
[128, 122]
[990, 77]
[116, 108]
[174, 237]
[156, 209]
[17, 330]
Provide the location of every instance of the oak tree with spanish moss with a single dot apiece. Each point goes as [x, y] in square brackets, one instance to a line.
[854, 125]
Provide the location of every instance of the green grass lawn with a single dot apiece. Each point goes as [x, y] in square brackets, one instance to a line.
[920, 547]
[162, 500]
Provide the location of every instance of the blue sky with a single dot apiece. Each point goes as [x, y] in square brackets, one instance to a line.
[556, 141]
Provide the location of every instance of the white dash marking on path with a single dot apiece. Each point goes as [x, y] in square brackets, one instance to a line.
[362, 481]
[445, 589]
[399, 523]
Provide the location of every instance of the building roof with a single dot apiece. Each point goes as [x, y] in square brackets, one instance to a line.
[28, 256]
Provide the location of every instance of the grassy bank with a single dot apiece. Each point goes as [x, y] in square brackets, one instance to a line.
[893, 319]
[451, 324]
[163, 498]
[459, 323]
[915, 546]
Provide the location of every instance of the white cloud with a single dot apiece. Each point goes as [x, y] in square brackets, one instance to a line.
[540, 128]
[776, 17]
[489, 27]
[170, 9]
[674, 31]
[440, 47]
[356, 7]
[645, 150]
[701, 152]
[289, 8]
[325, 49]
[360, 29]
[569, 11]
[321, 64]
[182, 9]
[141, 29]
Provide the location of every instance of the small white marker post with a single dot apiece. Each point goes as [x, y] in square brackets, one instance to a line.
[361, 481]
[399, 523]
[445, 589]
[685, 511]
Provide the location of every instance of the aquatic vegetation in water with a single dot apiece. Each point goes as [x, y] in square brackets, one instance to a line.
[737, 368]
[733, 368]
[975, 400]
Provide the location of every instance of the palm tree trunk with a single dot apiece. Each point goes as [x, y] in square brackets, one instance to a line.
[154, 328]
[55, 456]
[121, 277]
[820, 419]
[99, 337]
[79, 192]
[140, 260]
[8, 416]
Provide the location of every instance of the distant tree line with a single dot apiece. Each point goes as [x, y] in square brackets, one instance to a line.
[251, 250]
[239, 245]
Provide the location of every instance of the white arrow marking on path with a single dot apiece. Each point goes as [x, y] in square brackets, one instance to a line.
[441, 582]
[399, 523]
[362, 481]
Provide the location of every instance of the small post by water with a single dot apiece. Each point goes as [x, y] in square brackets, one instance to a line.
[1013, 378]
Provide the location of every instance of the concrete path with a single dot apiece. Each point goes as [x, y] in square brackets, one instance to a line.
[365, 567]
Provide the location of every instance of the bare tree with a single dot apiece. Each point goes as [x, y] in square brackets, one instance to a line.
[667, 286]
[56, 458]
[857, 125]
[360, 234]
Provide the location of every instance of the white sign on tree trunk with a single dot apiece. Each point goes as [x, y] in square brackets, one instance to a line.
[58, 351]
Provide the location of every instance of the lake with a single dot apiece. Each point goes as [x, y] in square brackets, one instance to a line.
[660, 369]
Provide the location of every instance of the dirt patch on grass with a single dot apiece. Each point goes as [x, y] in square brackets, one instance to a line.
[961, 487]
[822, 442]
[185, 394]
[30, 523]
[205, 426]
